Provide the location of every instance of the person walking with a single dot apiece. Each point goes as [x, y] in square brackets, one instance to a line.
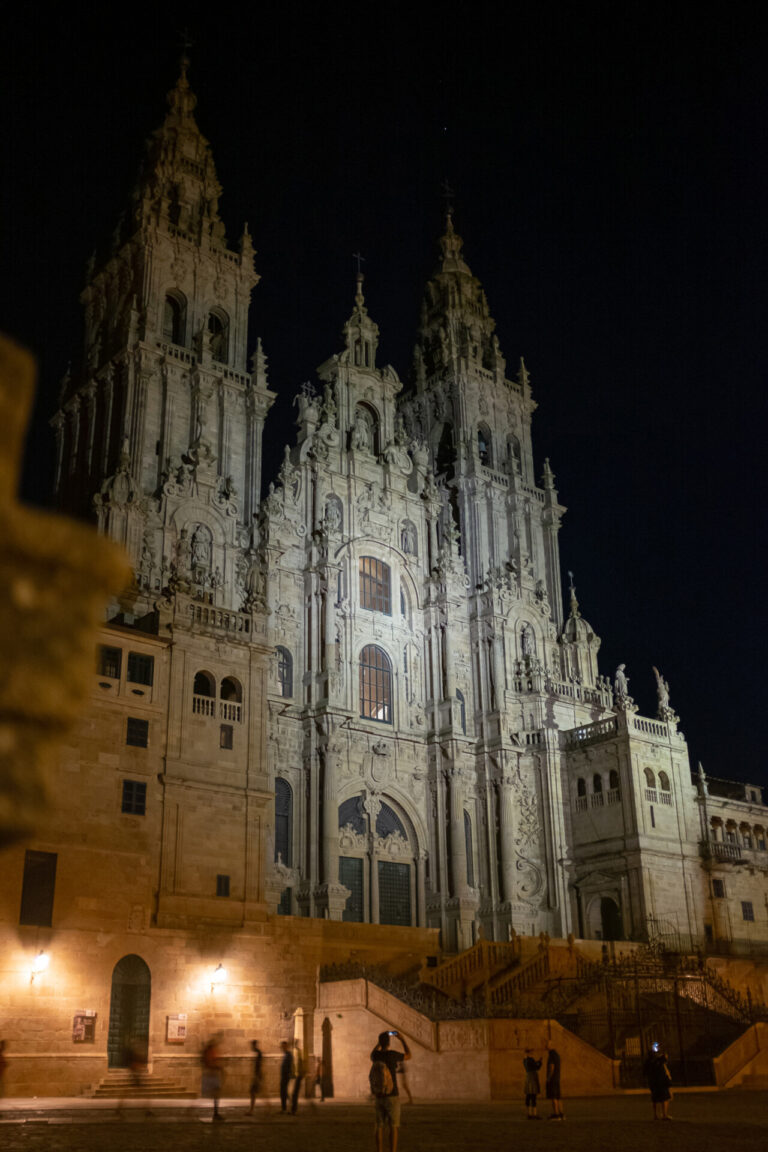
[318, 1082]
[299, 1072]
[255, 1075]
[210, 1061]
[532, 1088]
[552, 1082]
[656, 1070]
[385, 1064]
[286, 1072]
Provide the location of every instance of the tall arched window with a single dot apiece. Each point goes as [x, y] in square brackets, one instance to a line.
[664, 782]
[218, 327]
[581, 786]
[597, 782]
[231, 690]
[284, 671]
[173, 318]
[375, 585]
[462, 711]
[650, 779]
[613, 779]
[283, 822]
[375, 684]
[468, 846]
[204, 685]
[484, 449]
[204, 694]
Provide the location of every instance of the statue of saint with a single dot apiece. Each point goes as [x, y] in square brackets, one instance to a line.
[621, 682]
[361, 433]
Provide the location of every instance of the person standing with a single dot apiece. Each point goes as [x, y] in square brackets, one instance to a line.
[384, 1087]
[255, 1075]
[299, 1071]
[286, 1072]
[659, 1079]
[210, 1061]
[552, 1084]
[532, 1088]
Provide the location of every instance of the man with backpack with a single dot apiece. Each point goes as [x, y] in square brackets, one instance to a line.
[382, 1078]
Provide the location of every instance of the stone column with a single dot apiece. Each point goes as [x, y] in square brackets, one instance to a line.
[374, 881]
[421, 889]
[458, 842]
[507, 830]
[497, 656]
[330, 821]
[450, 670]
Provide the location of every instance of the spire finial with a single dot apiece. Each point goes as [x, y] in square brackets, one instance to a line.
[185, 43]
[448, 195]
[181, 100]
[574, 602]
[359, 259]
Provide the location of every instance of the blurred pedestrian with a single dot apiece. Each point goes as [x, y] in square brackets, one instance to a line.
[255, 1075]
[299, 1072]
[210, 1061]
[659, 1077]
[552, 1081]
[286, 1072]
[319, 1078]
[385, 1064]
[3, 1066]
[532, 1087]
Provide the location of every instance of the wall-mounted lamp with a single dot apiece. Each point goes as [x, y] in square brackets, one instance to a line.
[39, 964]
[218, 977]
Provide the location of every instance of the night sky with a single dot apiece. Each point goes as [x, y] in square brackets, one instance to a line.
[612, 191]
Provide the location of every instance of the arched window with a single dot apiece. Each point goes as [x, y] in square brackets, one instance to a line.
[218, 327]
[664, 782]
[205, 685]
[173, 318]
[283, 822]
[284, 671]
[351, 813]
[613, 779]
[581, 786]
[375, 585]
[462, 711]
[597, 782]
[468, 846]
[650, 779]
[231, 690]
[375, 685]
[484, 449]
[388, 821]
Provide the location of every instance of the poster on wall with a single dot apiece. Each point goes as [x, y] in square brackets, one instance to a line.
[176, 1028]
[84, 1027]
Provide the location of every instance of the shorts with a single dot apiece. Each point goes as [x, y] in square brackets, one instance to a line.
[388, 1111]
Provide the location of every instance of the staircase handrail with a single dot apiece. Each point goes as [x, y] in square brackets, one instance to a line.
[481, 955]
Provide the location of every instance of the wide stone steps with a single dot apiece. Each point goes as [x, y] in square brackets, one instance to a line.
[121, 1085]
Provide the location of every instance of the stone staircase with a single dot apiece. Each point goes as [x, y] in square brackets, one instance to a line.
[119, 1084]
[459, 976]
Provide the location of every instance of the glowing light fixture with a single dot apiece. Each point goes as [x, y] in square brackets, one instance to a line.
[218, 977]
[39, 964]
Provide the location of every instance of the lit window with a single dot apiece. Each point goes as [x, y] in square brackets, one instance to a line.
[222, 885]
[134, 797]
[110, 661]
[284, 671]
[375, 585]
[137, 732]
[747, 910]
[375, 685]
[141, 668]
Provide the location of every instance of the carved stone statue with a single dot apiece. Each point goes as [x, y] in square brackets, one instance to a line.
[201, 552]
[662, 689]
[526, 641]
[361, 433]
[621, 682]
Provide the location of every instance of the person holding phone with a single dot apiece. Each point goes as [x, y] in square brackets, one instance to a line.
[659, 1079]
[388, 1099]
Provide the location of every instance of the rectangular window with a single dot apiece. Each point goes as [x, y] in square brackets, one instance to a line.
[351, 876]
[140, 668]
[718, 889]
[134, 797]
[375, 589]
[38, 888]
[747, 910]
[137, 732]
[226, 738]
[394, 893]
[110, 662]
[222, 885]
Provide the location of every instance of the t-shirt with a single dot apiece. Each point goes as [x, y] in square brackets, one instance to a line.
[393, 1061]
[553, 1064]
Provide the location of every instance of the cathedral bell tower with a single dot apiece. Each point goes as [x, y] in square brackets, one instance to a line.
[159, 431]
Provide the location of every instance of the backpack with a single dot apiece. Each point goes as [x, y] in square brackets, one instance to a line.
[380, 1079]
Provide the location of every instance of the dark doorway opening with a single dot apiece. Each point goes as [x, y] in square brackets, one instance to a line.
[610, 917]
[129, 1012]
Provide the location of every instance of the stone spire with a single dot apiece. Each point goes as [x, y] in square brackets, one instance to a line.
[177, 183]
[361, 334]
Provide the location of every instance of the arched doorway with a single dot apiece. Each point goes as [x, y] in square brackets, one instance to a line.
[610, 919]
[128, 1010]
[377, 863]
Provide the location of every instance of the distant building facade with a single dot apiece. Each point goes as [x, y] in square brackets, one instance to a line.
[359, 699]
